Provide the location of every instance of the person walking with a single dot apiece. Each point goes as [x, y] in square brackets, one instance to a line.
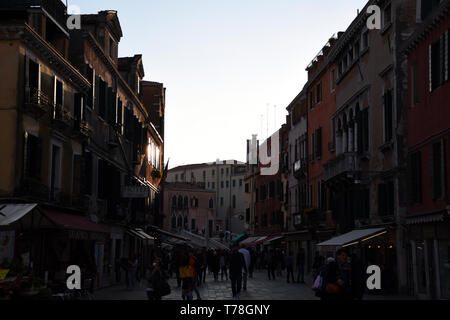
[301, 266]
[215, 265]
[247, 258]
[187, 278]
[193, 263]
[271, 265]
[337, 278]
[204, 265]
[237, 264]
[290, 266]
[224, 264]
[133, 265]
[157, 276]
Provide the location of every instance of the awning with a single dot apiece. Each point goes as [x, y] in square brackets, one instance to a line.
[273, 239]
[249, 240]
[239, 237]
[353, 237]
[259, 241]
[73, 222]
[139, 233]
[10, 213]
[425, 218]
[168, 234]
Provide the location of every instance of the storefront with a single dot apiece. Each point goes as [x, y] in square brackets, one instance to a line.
[428, 256]
[374, 246]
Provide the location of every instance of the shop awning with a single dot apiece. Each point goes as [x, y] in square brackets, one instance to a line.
[73, 222]
[273, 239]
[259, 241]
[168, 234]
[10, 213]
[239, 237]
[353, 237]
[139, 233]
[249, 240]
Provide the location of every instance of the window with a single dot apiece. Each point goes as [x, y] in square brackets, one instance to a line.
[247, 188]
[318, 137]
[438, 170]
[228, 184]
[386, 199]
[263, 193]
[196, 202]
[438, 62]
[55, 178]
[221, 184]
[193, 225]
[388, 115]
[213, 173]
[227, 171]
[415, 167]
[211, 203]
[240, 182]
[214, 185]
[427, 7]
[33, 77]
[319, 92]
[208, 185]
[387, 15]
[363, 130]
[414, 83]
[32, 156]
[221, 201]
[264, 220]
[311, 99]
[313, 145]
[76, 174]
[272, 189]
[77, 106]
[357, 48]
[221, 171]
[59, 93]
[234, 183]
[174, 202]
[234, 202]
[333, 79]
[102, 98]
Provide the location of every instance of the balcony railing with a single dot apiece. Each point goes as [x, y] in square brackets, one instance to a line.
[55, 8]
[344, 163]
[61, 116]
[36, 102]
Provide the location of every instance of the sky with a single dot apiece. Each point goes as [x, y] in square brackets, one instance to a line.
[230, 67]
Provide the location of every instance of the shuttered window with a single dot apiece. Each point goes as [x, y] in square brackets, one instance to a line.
[415, 167]
[318, 138]
[437, 63]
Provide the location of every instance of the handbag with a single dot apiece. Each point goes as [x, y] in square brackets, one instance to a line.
[317, 283]
[332, 288]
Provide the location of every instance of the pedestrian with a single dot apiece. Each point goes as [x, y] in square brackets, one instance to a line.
[337, 278]
[271, 264]
[301, 266]
[193, 263]
[132, 271]
[358, 278]
[215, 265]
[247, 258]
[157, 282]
[224, 264]
[237, 263]
[187, 278]
[290, 266]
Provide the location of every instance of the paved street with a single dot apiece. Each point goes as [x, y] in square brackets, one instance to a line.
[258, 288]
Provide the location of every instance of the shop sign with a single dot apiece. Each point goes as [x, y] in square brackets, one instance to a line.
[134, 192]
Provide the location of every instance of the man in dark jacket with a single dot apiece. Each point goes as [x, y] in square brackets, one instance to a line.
[237, 264]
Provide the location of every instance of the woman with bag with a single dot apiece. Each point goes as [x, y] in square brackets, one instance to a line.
[336, 277]
[158, 283]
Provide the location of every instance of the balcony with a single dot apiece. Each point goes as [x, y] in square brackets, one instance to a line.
[54, 8]
[61, 117]
[36, 102]
[344, 165]
[300, 169]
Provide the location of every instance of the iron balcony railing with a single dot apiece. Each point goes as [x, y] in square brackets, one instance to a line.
[55, 8]
[343, 163]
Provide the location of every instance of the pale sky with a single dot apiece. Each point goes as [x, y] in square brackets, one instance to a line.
[224, 62]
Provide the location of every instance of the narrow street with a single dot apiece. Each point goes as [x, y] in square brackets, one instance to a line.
[258, 288]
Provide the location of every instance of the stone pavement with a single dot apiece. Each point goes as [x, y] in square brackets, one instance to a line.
[258, 288]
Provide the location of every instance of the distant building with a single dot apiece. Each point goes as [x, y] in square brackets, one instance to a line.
[227, 180]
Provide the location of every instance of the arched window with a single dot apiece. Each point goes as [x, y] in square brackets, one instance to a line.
[186, 202]
[180, 202]
[174, 201]
[174, 222]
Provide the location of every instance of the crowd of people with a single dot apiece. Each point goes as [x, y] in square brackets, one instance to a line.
[340, 277]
